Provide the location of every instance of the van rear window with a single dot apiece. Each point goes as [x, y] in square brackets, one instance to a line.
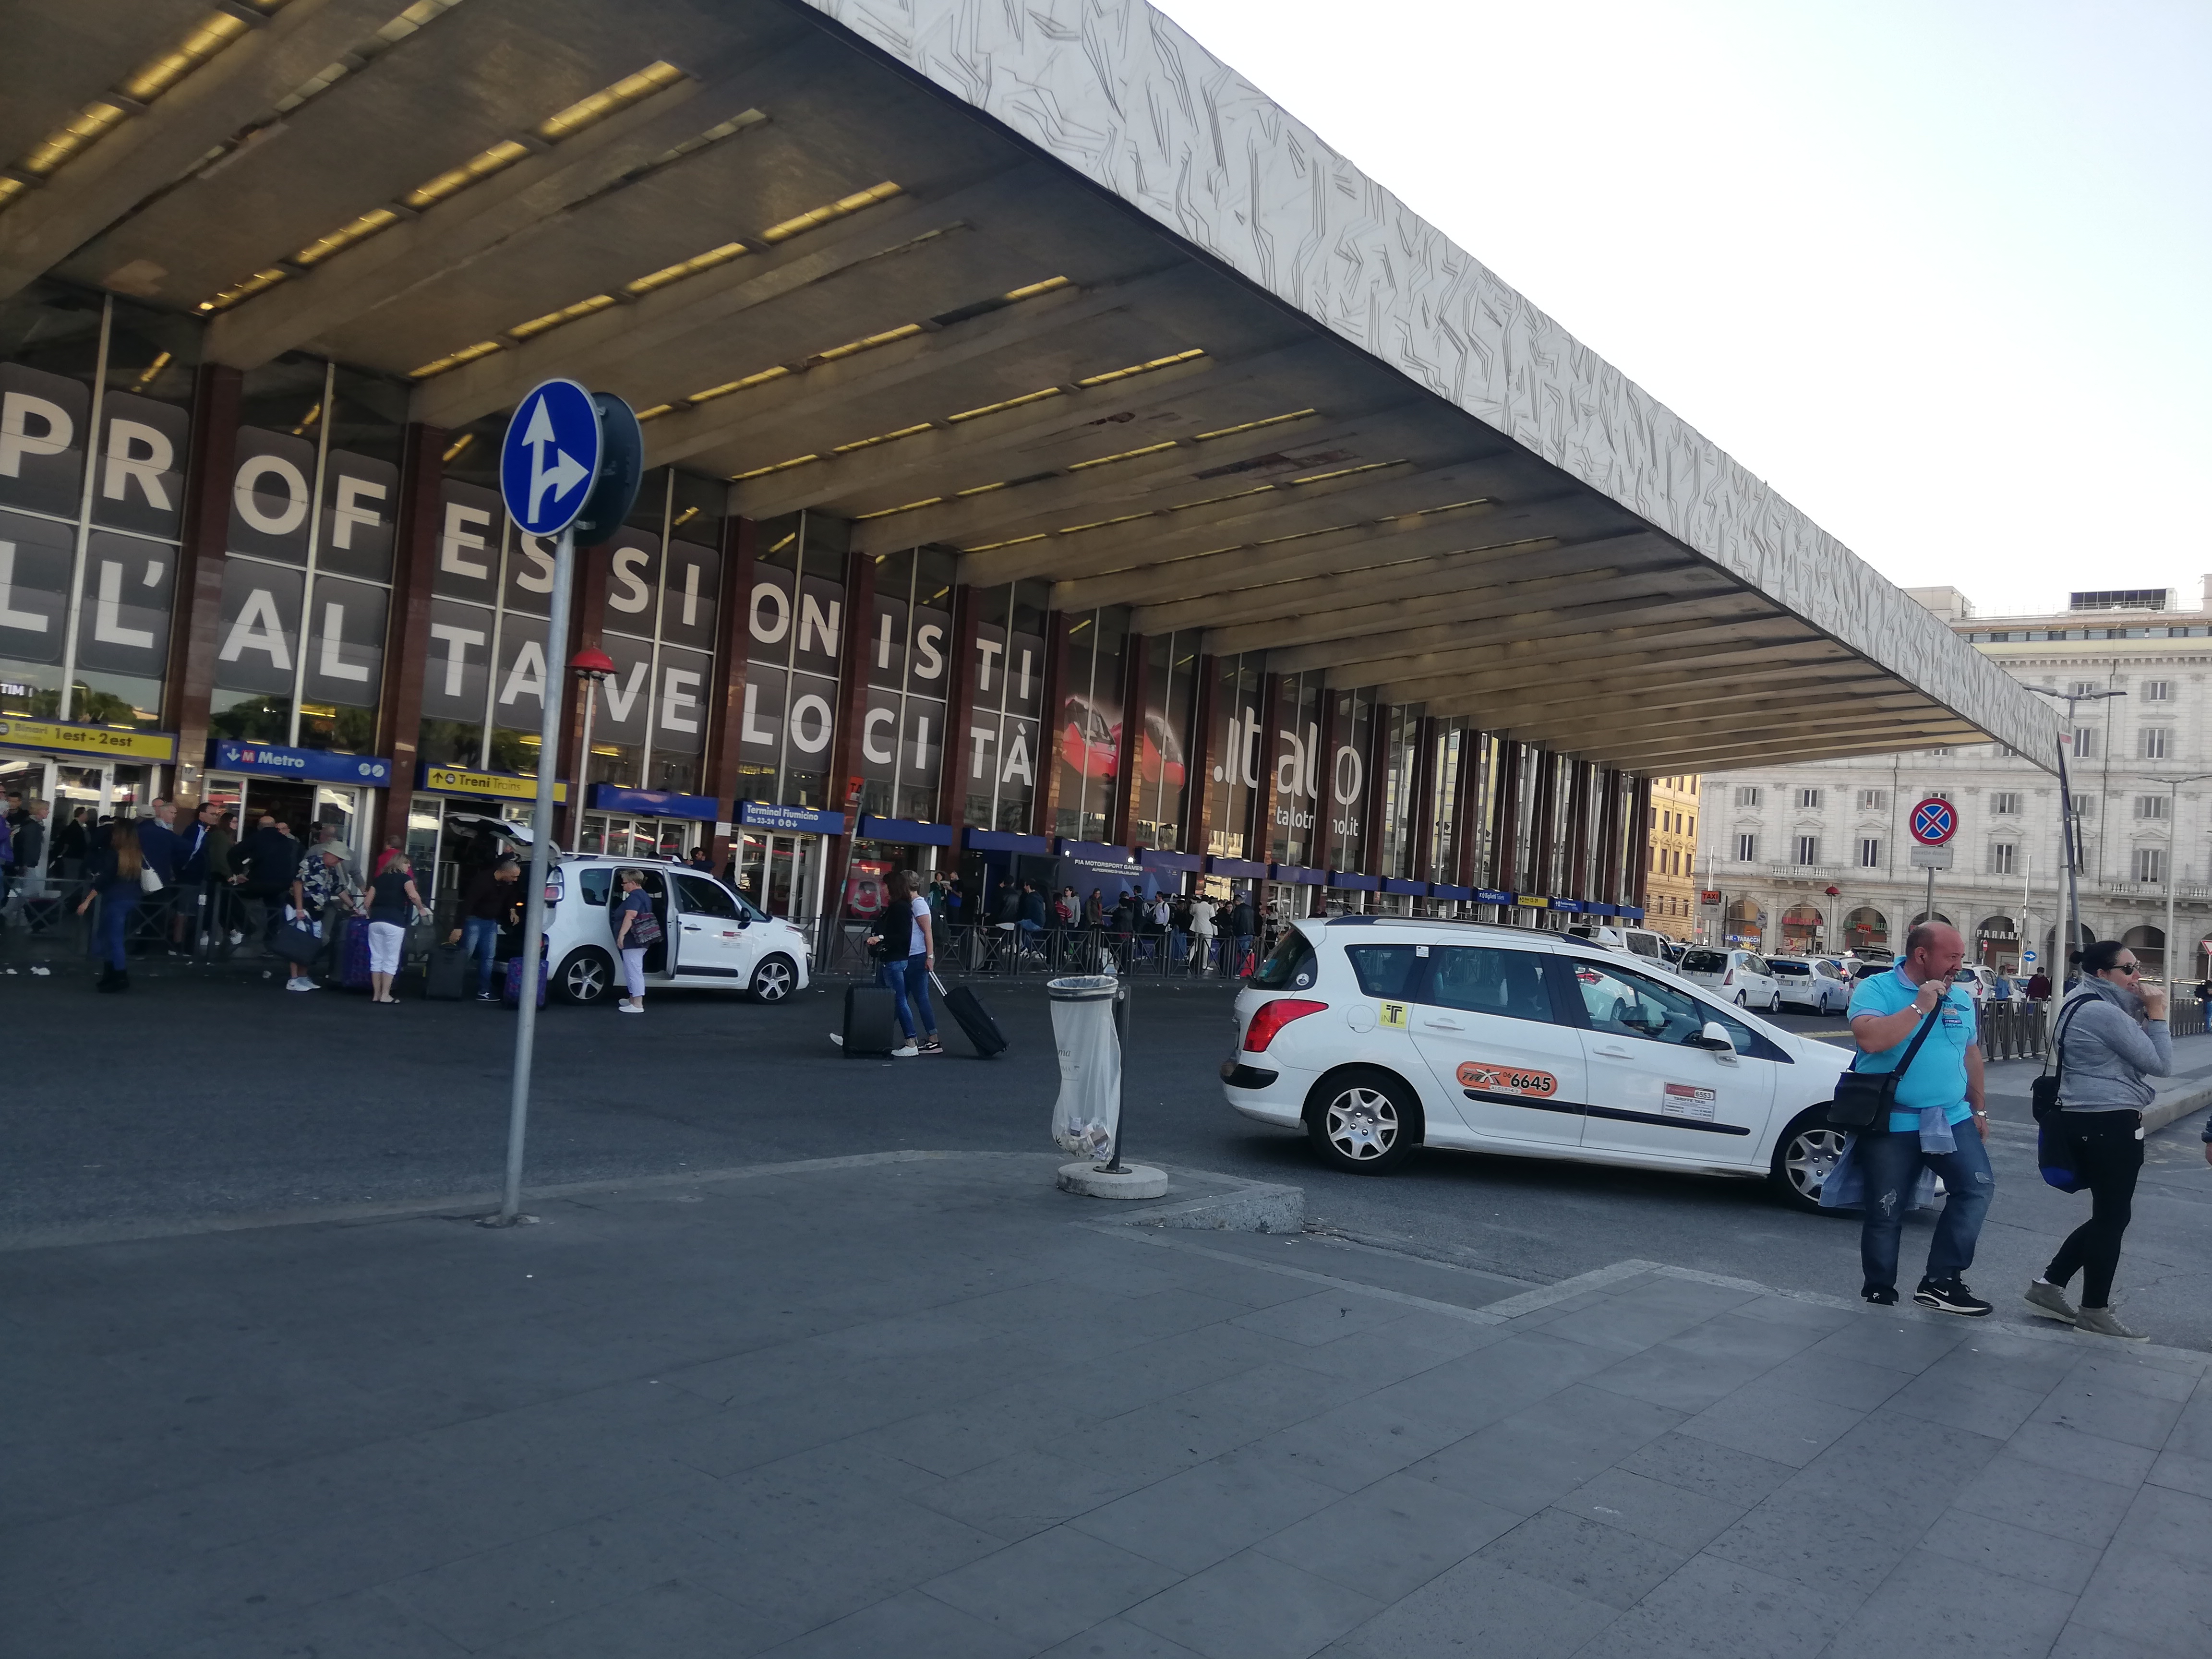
[1386, 971]
[1704, 962]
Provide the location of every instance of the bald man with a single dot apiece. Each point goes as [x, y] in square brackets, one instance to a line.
[1938, 1123]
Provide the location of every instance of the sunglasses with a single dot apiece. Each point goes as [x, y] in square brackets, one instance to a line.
[2126, 968]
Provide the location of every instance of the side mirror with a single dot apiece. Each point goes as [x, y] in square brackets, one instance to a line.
[1714, 1036]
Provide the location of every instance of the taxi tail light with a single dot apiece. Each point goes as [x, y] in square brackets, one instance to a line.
[1728, 978]
[1271, 1017]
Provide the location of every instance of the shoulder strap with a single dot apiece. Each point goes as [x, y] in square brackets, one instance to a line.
[1919, 1036]
[2058, 1033]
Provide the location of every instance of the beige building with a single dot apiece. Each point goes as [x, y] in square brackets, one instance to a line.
[1671, 901]
[1816, 854]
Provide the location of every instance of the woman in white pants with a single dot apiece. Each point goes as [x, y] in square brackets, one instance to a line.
[636, 928]
[393, 903]
[1201, 929]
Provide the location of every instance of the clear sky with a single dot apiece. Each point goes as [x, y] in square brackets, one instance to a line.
[1939, 271]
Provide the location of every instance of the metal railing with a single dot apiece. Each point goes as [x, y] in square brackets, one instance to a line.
[992, 950]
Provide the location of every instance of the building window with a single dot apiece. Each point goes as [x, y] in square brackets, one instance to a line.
[2158, 690]
[1808, 849]
[2153, 742]
[2085, 742]
[1873, 800]
[2004, 804]
[2085, 806]
[1747, 848]
[1748, 795]
[1869, 852]
[2001, 853]
[2084, 688]
[1940, 749]
[2150, 806]
[2150, 864]
[1808, 797]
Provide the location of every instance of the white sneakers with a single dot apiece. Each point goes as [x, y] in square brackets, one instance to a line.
[626, 1006]
[302, 985]
[908, 1053]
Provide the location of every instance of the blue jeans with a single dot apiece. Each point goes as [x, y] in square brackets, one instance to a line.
[116, 908]
[1890, 1162]
[480, 940]
[909, 987]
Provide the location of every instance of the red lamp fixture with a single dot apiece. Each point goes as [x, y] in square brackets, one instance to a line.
[592, 662]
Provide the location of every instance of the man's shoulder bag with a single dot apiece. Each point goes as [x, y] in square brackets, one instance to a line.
[1864, 1099]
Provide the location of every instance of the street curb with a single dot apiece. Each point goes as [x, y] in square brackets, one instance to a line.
[1252, 1206]
[2163, 1112]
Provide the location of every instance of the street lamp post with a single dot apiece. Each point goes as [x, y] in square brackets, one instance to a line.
[2070, 826]
[591, 667]
[2173, 840]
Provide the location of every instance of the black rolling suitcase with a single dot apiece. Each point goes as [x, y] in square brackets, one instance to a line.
[871, 1027]
[445, 978]
[976, 1021]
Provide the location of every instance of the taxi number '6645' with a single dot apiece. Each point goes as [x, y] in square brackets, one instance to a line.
[1507, 1080]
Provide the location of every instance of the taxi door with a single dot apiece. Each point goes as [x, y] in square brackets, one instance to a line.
[710, 939]
[1485, 1024]
[1653, 1092]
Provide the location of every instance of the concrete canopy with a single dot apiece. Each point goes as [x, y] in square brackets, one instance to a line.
[1049, 285]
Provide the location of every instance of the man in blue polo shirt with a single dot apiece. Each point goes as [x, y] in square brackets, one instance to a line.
[1939, 1121]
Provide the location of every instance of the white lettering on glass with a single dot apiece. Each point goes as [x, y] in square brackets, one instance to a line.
[257, 629]
[462, 524]
[457, 642]
[127, 461]
[293, 486]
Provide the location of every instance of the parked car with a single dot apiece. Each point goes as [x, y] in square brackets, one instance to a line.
[1811, 983]
[1982, 982]
[712, 938]
[1377, 1035]
[1740, 977]
[1644, 942]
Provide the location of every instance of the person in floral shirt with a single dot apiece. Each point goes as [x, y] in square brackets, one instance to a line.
[323, 896]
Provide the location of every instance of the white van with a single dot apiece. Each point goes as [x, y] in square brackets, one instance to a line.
[1636, 941]
[712, 939]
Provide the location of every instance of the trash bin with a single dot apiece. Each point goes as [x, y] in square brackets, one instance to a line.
[1088, 1113]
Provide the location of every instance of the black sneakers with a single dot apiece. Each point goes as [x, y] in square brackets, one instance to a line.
[1951, 1296]
[1882, 1296]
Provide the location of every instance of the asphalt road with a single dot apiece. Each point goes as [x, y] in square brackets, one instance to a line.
[191, 1100]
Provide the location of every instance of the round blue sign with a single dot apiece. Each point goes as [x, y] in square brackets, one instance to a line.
[551, 455]
[1933, 822]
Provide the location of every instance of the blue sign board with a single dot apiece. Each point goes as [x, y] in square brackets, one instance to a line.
[1445, 890]
[1300, 875]
[1154, 857]
[801, 820]
[1237, 869]
[1491, 895]
[550, 456]
[309, 765]
[1351, 881]
[1410, 889]
[1007, 840]
[906, 832]
[654, 803]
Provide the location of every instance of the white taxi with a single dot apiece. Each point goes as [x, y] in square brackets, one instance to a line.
[1813, 983]
[1376, 1035]
[1740, 977]
[711, 938]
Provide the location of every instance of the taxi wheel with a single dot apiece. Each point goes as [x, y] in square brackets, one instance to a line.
[586, 976]
[1802, 1158]
[1364, 1121]
[774, 978]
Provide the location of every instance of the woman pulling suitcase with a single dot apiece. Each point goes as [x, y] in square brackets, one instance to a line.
[906, 955]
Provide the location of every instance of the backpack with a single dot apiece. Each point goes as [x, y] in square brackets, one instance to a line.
[2054, 1152]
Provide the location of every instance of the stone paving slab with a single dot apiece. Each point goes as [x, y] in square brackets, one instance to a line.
[928, 1405]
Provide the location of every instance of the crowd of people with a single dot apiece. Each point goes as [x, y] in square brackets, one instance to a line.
[1195, 931]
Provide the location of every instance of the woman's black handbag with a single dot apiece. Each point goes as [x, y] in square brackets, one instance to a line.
[2054, 1148]
[1866, 1098]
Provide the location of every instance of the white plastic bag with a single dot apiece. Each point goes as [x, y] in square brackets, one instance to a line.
[1087, 1114]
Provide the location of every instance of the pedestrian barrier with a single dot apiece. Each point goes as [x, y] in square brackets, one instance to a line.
[2012, 1029]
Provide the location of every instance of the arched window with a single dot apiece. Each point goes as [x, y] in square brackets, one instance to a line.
[1801, 929]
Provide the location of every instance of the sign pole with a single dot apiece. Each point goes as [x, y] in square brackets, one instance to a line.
[541, 854]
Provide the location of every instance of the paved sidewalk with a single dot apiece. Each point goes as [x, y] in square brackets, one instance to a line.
[927, 1405]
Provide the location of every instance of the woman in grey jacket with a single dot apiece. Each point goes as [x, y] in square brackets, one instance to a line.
[2113, 1035]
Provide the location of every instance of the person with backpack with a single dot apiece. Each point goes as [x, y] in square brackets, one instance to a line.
[905, 949]
[1913, 1020]
[2112, 1037]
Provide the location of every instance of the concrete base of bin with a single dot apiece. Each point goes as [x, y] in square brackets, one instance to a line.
[1138, 1180]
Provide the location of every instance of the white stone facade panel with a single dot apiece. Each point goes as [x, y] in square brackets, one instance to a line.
[1120, 94]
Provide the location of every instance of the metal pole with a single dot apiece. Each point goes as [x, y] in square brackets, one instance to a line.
[1113, 1163]
[2069, 830]
[541, 854]
[591, 685]
[2173, 837]
[1928, 910]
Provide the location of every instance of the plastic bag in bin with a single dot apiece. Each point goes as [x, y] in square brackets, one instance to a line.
[1087, 1114]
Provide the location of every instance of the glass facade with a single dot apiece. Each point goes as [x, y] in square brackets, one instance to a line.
[96, 406]
[96, 397]
[1003, 745]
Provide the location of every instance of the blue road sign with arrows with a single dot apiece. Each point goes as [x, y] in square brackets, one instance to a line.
[1933, 822]
[550, 457]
